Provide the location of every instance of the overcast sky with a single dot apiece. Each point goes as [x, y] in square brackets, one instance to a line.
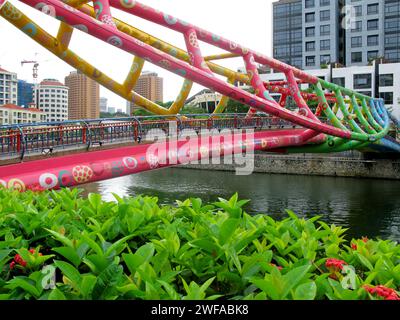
[246, 22]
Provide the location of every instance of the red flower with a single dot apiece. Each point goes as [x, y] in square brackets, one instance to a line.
[336, 265]
[18, 259]
[12, 265]
[274, 265]
[365, 239]
[354, 246]
[33, 251]
[382, 291]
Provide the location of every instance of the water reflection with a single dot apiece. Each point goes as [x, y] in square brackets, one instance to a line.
[368, 207]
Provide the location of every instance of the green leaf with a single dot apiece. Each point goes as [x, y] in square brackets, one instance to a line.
[106, 282]
[118, 246]
[61, 238]
[292, 278]
[306, 291]
[227, 229]
[70, 272]
[56, 294]
[25, 285]
[95, 200]
[70, 254]
[364, 261]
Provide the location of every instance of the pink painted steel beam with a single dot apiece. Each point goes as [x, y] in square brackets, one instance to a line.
[73, 170]
[108, 34]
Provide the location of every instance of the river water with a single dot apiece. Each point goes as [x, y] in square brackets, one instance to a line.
[368, 207]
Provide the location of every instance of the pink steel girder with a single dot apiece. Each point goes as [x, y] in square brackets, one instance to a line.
[107, 33]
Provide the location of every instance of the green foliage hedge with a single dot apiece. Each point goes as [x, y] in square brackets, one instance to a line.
[136, 249]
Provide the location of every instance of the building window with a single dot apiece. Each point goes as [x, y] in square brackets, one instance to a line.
[362, 81]
[310, 4]
[356, 42]
[356, 57]
[339, 81]
[310, 46]
[325, 30]
[373, 8]
[372, 24]
[325, 59]
[372, 55]
[325, 44]
[323, 3]
[387, 97]
[310, 61]
[310, 17]
[358, 11]
[356, 26]
[386, 80]
[373, 40]
[324, 15]
[310, 32]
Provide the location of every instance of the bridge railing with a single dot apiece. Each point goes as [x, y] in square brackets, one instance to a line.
[19, 140]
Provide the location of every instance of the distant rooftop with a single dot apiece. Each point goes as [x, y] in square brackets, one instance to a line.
[15, 107]
[51, 82]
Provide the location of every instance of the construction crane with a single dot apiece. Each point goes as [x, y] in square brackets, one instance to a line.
[35, 72]
[35, 69]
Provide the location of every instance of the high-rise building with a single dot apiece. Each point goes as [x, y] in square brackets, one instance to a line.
[25, 93]
[287, 34]
[348, 32]
[111, 110]
[150, 86]
[84, 96]
[8, 87]
[321, 32]
[52, 98]
[392, 30]
[103, 104]
[365, 37]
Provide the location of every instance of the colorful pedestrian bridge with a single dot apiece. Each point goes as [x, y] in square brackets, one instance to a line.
[310, 115]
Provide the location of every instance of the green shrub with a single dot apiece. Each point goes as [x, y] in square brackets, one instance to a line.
[136, 249]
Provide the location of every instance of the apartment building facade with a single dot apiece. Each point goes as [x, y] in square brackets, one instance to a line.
[8, 87]
[52, 99]
[13, 114]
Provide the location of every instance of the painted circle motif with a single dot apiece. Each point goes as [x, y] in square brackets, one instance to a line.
[11, 12]
[233, 45]
[65, 178]
[181, 72]
[107, 19]
[82, 174]
[115, 41]
[16, 184]
[30, 29]
[216, 38]
[130, 163]
[165, 63]
[81, 27]
[170, 19]
[46, 9]
[193, 39]
[128, 3]
[98, 8]
[48, 180]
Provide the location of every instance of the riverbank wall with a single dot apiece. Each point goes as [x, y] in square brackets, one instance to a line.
[315, 166]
